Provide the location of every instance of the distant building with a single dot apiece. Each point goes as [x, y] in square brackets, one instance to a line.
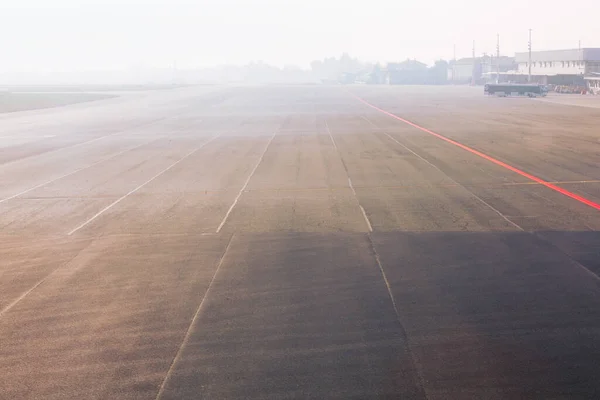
[467, 70]
[407, 72]
[463, 70]
[408, 65]
[560, 67]
[347, 77]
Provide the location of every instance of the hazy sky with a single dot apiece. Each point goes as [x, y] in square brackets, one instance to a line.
[54, 35]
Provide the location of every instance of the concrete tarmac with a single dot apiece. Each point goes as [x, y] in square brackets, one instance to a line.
[297, 242]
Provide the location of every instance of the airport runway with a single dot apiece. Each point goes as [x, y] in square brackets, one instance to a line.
[301, 242]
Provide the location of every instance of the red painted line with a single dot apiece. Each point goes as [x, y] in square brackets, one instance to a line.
[534, 178]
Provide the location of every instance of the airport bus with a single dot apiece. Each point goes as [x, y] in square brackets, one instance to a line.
[513, 89]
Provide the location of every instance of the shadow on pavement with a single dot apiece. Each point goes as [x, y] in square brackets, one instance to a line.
[499, 315]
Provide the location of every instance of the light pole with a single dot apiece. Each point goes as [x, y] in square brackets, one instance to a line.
[529, 76]
[498, 60]
[454, 66]
[474, 64]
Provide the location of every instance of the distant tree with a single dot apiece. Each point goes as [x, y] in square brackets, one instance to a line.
[438, 74]
[376, 75]
[316, 66]
[333, 68]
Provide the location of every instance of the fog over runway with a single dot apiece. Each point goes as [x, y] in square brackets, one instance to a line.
[300, 242]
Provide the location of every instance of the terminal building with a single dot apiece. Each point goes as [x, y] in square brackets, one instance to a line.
[469, 70]
[571, 67]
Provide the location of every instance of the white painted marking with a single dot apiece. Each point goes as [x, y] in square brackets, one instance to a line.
[38, 283]
[331, 137]
[114, 203]
[537, 235]
[362, 210]
[364, 213]
[74, 172]
[89, 141]
[190, 329]
[21, 297]
[385, 279]
[450, 178]
[245, 184]
[418, 368]
[472, 194]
